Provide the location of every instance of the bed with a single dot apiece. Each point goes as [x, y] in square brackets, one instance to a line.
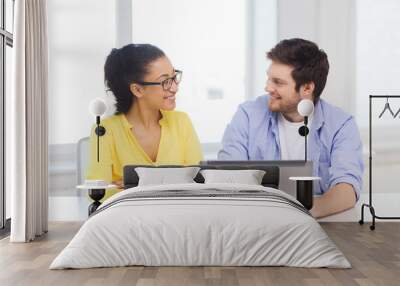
[201, 224]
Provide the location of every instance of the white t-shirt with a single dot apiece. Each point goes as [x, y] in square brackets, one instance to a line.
[292, 143]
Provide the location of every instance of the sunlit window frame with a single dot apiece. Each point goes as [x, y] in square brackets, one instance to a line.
[6, 39]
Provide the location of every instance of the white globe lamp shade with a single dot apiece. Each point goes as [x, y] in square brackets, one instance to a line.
[305, 107]
[97, 107]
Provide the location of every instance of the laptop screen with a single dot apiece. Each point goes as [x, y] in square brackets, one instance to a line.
[287, 168]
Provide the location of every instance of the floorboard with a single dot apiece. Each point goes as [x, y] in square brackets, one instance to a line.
[374, 255]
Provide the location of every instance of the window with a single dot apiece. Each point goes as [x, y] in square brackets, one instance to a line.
[6, 43]
[378, 57]
[377, 70]
[211, 51]
[211, 85]
[219, 45]
[77, 53]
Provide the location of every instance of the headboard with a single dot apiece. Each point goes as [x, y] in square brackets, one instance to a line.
[270, 179]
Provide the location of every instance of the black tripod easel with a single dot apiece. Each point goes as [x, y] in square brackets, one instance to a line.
[369, 205]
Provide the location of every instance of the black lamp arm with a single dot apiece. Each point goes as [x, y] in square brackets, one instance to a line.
[100, 131]
[305, 138]
[303, 131]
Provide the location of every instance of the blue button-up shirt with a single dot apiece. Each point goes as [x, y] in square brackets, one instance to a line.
[334, 143]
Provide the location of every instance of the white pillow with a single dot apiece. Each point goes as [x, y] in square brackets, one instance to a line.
[163, 176]
[248, 177]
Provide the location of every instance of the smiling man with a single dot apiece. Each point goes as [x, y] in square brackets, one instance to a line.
[267, 128]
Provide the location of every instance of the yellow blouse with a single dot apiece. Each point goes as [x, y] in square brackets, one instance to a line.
[179, 145]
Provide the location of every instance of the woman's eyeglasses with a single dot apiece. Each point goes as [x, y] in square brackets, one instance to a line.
[166, 83]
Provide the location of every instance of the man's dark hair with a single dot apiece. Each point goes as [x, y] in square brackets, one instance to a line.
[309, 62]
[125, 66]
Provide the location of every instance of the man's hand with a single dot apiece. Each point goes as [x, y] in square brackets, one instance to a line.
[339, 198]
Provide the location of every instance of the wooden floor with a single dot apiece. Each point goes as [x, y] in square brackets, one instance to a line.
[374, 255]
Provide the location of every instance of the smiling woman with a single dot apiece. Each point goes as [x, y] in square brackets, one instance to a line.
[145, 129]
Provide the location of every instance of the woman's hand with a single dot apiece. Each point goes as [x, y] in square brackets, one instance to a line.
[119, 184]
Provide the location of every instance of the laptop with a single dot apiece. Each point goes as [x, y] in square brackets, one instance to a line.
[287, 168]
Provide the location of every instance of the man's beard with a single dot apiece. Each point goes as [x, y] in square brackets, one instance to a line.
[283, 108]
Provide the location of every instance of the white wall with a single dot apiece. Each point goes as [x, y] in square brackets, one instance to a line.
[81, 34]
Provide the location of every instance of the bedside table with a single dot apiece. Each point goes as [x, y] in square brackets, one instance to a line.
[304, 190]
[96, 193]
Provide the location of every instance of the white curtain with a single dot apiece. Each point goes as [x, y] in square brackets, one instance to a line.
[27, 122]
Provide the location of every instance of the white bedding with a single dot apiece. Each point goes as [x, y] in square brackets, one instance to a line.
[182, 231]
